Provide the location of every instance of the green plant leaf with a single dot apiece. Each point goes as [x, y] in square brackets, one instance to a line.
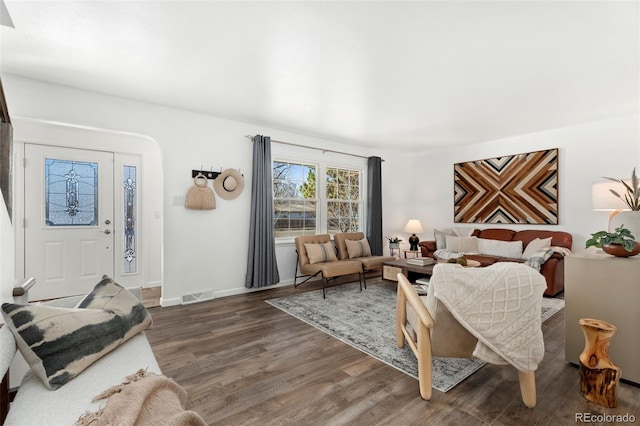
[621, 236]
[628, 245]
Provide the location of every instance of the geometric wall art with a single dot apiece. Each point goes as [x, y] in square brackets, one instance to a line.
[515, 189]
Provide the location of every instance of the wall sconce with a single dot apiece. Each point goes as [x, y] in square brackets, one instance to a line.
[414, 227]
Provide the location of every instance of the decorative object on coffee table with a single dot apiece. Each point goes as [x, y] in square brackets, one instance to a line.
[414, 227]
[599, 376]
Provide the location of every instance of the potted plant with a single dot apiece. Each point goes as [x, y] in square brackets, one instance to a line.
[394, 242]
[632, 195]
[620, 243]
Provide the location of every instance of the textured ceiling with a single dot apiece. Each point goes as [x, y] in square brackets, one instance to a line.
[376, 74]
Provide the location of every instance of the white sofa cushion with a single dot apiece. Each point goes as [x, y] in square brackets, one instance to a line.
[37, 405]
[510, 249]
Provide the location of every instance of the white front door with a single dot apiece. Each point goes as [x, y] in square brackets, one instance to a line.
[69, 215]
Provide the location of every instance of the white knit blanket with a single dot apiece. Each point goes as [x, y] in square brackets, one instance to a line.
[500, 306]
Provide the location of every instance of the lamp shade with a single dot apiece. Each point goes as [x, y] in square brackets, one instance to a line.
[603, 200]
[413, 226]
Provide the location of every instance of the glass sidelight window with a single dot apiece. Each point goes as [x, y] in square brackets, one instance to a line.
[130, 212]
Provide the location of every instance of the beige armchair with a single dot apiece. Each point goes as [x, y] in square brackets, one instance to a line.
[431, 330]
[369, 263]
[316, 257]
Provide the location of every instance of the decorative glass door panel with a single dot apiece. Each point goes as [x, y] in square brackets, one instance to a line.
[130, 211]
[71, 193]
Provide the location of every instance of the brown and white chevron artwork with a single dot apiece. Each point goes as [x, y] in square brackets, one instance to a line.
[521, 188]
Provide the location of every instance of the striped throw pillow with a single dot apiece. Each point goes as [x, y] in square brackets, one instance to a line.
[358, 248]
[60, 343]
[319, 253]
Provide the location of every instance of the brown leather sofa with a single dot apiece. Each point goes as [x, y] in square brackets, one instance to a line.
[552, 269]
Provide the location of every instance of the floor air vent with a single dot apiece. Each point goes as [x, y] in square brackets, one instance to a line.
[197, 297]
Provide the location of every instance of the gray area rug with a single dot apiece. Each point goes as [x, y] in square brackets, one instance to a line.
[366, 321]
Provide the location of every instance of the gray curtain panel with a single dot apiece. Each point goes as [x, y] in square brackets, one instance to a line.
[374, 204]
[262, 269]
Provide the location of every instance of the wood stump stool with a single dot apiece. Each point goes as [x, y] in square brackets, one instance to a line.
[599, 376]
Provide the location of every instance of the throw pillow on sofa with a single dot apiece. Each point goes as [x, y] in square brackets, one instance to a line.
[535, 246]
[462, 244]
[510, 249]
[440, 236]
[60, 343]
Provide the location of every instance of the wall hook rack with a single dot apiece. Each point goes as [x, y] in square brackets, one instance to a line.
[208, 174]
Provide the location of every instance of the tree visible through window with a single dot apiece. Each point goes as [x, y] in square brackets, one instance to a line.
[294, 199]
[298, 201]
[343, 200]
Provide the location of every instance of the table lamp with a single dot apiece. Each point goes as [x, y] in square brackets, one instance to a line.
[414, 227]
[603, 200]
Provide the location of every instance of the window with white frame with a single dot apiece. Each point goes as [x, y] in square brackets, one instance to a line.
[312, 199]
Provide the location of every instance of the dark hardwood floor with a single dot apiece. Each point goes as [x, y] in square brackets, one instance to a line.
[243, 361]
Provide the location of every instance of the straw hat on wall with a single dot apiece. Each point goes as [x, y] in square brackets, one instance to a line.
[229, 184]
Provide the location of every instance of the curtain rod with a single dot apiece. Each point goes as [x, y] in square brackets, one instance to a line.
[311, 147]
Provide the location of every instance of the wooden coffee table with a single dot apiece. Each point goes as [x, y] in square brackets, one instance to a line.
[391, 268]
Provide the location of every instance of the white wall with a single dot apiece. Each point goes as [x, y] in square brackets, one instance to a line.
[202, 250]
[586, 153]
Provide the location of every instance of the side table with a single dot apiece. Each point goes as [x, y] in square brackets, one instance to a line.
[598, 285]
[413, 253]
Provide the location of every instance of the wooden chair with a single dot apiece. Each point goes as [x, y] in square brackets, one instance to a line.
[369, 263]
[436, 332]
[329, 270]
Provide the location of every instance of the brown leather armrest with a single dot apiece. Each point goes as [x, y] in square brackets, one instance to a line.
[427, 248]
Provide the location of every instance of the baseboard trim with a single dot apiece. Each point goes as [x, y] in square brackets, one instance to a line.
[170, 302]
[244, 290]
[228, 292]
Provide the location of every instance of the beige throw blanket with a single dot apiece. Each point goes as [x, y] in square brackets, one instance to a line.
[143, 399]
[500, 306]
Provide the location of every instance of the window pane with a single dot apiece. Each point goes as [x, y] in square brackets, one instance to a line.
[294, 199]
[130, 212]
[343, 200]
[71, 193]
